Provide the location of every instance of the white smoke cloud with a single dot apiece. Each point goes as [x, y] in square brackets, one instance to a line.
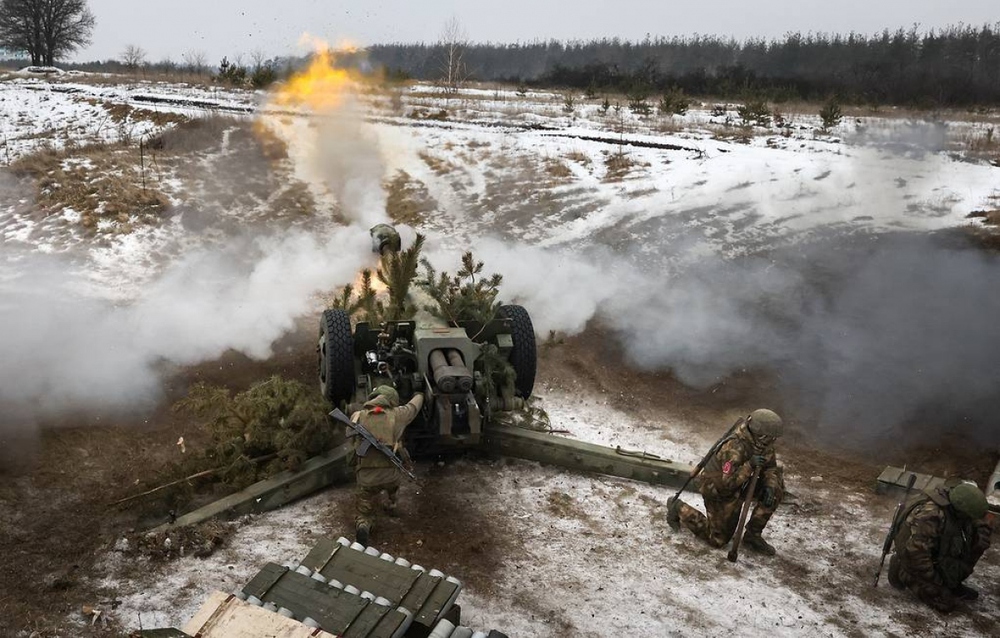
[863, 336]
[66, 351]
[562, 289]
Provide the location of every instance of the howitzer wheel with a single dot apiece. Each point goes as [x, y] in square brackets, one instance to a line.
[523, 356]
[336, 350]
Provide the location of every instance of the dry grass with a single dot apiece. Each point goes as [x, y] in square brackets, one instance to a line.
[618, 166]
[981, 144]
[427, 114]
[737, 134]
[669, 125]
[578, 157]
[557, 169]
[407, 200]
[121, 113]
[438, 165]
[101, 182]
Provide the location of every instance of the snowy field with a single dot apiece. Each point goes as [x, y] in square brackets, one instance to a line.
[605, 563]
[580, 211]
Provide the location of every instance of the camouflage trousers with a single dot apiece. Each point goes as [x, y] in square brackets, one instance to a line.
[930, 593]
[367, 502]
[722, 517]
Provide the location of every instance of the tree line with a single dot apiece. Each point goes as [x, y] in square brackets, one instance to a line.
[954, 66]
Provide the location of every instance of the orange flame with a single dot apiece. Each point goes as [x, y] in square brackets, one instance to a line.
[322, 87]
[376, 283]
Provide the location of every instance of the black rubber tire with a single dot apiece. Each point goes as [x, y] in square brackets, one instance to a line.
[523, 356]
[336, 356]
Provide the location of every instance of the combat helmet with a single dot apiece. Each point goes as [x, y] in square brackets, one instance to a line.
[968, 500]
[765, 423]
[386, 391]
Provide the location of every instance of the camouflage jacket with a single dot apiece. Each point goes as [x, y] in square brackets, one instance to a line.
[729, 470]
[937, 546]
[388, 425]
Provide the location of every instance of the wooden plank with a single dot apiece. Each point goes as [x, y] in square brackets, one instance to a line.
[889, 479]
[892, 481]
[581, 456]
[923, 480]
[265, 579]
[334, 609]
[225, 616]
[371, 573]
[315, 474]
[368, 624]
[321, 554]
[417, 596]
[434, 605]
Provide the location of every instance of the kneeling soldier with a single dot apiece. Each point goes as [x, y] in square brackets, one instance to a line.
[940, 539]
[725, 479]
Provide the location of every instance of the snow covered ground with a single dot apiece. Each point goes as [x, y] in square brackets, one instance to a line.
[594, 556]
[563, 204]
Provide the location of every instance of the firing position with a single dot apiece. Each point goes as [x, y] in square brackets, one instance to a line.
[377, 473]
[725, 481]
[941, 536]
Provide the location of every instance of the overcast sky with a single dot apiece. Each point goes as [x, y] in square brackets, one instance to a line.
[230, 27]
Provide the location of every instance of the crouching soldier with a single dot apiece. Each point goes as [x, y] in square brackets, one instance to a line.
[375, 472]
[724, 481]
[940, 538]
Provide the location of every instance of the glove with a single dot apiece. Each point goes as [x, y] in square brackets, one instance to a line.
[767, 497]
[757, 460]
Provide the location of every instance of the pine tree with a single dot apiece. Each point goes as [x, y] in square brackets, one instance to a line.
[466, 296]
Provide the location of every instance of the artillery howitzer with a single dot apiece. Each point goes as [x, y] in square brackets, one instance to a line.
[459, 369]
[470, 372]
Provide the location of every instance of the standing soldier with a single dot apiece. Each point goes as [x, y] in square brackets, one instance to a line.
[375, 472]
[940, 539]
[724, 481]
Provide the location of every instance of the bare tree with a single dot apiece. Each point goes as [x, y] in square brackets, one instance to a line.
[133, 57]
[196, 61]
[46, 30]
[453, 43]
[257, 58]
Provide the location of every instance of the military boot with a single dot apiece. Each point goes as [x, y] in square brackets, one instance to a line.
[674, 513]
[361, 535]
[963, 592]
[894, 579]
[754, 541]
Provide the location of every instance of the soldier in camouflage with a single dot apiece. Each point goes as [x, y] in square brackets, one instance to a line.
[941, 536]
[375, 473]
[724, 481]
